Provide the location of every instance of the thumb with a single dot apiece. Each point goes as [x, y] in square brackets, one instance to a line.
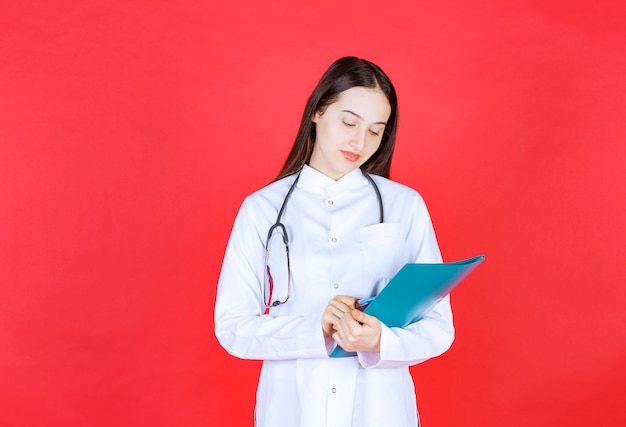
[364, 318]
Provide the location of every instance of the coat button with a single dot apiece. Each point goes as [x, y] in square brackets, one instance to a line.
[336, 285]
[334, 390]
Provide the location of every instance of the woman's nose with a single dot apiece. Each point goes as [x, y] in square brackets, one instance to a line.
[358, 139]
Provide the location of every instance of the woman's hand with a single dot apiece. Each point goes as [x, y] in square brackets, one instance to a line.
[337, 308]
[358, 331]
[352, 329]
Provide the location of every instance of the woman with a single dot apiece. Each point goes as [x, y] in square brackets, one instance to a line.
[331, 230]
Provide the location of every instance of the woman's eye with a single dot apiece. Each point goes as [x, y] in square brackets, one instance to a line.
[375, 133]
[349, 124]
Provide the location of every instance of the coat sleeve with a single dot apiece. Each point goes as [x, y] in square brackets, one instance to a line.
[430, 336]
[240, 325]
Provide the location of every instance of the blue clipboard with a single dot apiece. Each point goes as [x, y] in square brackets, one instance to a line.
[413, 291]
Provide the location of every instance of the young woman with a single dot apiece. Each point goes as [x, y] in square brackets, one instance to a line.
[331, 230]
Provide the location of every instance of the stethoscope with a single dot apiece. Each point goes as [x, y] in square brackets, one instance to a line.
[283, 231]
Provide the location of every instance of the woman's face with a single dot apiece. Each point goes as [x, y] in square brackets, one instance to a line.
[349, 131]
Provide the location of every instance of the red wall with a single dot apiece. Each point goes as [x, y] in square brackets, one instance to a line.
[131, 131]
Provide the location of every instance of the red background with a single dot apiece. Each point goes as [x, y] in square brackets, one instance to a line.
[131, 131]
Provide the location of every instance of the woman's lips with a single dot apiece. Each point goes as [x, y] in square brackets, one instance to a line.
[350, 156]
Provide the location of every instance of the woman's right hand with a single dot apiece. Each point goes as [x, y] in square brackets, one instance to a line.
[334, 311]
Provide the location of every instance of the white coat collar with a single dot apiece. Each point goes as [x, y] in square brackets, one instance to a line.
[316, 182]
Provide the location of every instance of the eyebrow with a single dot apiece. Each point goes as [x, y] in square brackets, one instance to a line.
[355, 114]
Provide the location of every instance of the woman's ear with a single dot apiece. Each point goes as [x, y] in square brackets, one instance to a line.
[316, 116]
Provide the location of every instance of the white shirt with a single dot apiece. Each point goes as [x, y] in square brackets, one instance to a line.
[336, 246]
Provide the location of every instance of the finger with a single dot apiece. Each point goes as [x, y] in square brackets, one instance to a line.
[338, 308]
[364, 318]
[336, 312]
[348, 334]
[332, 316]
[337, 337]
[345, 300]
[350, 329]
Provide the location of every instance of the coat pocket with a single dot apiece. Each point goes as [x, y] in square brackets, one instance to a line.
[382, 246]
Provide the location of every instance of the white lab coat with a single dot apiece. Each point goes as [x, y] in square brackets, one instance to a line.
[337, 246]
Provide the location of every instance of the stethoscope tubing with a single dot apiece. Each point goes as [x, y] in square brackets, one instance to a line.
[379, 197]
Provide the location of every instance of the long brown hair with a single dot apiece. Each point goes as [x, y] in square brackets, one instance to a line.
[343, 74]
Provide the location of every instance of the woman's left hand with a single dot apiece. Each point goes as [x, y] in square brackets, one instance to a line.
[358, 331]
